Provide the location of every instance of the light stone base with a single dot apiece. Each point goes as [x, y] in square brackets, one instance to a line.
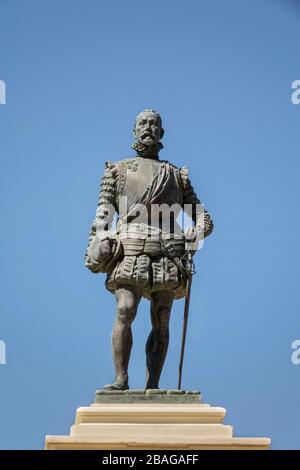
[150, 426]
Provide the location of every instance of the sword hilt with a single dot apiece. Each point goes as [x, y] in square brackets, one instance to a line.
[189, 264]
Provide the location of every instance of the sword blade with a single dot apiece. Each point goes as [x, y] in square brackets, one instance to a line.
[184, 328]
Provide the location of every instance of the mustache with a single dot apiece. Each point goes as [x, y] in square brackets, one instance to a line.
[146, 134]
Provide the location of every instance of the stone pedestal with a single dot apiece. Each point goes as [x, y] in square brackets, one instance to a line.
[156, 420]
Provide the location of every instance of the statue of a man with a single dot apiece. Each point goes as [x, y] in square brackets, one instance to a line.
[144, 255]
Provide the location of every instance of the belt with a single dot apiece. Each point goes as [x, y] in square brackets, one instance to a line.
[153, 247]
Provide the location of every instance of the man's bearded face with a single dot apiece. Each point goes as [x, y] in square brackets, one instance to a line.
[148, 130]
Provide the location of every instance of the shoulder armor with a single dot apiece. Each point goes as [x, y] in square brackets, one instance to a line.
[169, 163]
[123, 165]
[125, 161]
[184, 175]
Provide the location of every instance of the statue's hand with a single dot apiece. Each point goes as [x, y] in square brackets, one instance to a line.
[101, 250]
[190, 234]
[192, 239]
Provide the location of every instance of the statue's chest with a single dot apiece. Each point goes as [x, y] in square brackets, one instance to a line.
[139, 173]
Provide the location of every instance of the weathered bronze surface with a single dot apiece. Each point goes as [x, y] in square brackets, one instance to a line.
[144, 256]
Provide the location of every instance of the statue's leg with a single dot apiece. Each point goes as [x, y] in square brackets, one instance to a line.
[127, 302]
[158, 341]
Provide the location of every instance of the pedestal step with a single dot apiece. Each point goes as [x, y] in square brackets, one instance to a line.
[152, 426]
[150, 413]
[115, 432]
[76, 443]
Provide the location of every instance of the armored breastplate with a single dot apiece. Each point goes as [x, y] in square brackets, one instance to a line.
[146, 184]
[137, 174]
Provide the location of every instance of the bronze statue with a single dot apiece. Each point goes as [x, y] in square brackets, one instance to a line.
[145, 255]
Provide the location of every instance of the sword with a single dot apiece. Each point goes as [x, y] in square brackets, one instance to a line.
[190, 270]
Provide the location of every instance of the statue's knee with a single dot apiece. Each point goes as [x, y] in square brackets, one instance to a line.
[126, 313]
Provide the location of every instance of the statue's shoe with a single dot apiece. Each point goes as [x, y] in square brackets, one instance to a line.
[152, 386]
[116, 386]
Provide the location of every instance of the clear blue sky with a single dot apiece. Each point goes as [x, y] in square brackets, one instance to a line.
[77, 72]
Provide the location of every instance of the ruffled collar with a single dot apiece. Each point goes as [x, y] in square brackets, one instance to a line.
[147, 151]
